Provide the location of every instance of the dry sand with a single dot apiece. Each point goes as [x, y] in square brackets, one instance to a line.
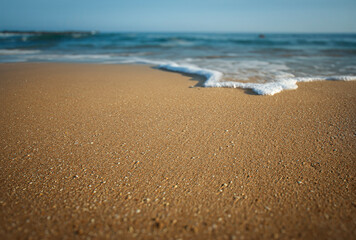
[121, 152]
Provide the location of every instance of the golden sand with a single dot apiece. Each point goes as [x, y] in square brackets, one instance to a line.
[120, 152]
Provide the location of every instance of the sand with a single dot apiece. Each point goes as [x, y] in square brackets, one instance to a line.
[122, 152]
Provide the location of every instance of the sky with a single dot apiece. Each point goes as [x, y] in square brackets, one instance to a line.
[313, 16]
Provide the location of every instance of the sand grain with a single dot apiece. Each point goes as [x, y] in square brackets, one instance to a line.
[107, 151]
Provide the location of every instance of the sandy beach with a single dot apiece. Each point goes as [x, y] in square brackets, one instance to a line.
[130, 152]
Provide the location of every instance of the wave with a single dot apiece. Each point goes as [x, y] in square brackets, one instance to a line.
[17, 51]
[211, 75]
[56, 37]
[184, 44]
[215, 79]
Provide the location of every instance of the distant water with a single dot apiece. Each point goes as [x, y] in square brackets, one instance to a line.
[266, 63]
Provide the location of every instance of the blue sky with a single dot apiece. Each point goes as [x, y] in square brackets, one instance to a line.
[180, 15]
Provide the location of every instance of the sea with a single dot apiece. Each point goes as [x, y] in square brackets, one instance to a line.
[265, 63]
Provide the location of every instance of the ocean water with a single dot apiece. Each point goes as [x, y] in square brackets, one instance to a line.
[267, 64]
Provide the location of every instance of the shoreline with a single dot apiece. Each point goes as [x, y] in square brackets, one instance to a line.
[128, 151]
[208, 78]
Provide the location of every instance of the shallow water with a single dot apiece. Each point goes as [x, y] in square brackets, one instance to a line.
[266, 63]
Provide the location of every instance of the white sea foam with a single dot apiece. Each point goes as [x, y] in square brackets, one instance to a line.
[215, 79]
[143, 61]
[330, 78]
[81, 56]
[17, 51]
[67, 57]
[211, 75]
[36, 55]
[7, 35]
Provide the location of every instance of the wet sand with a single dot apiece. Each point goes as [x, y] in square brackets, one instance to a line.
[122, 152]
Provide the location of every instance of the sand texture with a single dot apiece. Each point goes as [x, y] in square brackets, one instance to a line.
[124, 152]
